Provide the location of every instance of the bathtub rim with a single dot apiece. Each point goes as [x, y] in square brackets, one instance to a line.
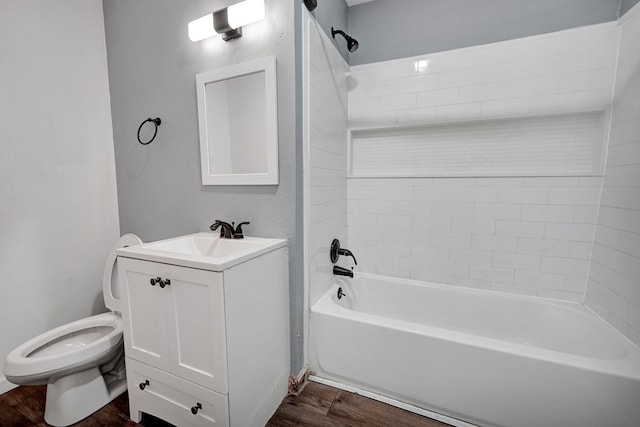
[627, 366]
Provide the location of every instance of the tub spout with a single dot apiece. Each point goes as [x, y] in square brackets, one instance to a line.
[341, 271]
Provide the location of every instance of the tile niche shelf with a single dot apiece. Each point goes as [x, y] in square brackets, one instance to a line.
[553, 145]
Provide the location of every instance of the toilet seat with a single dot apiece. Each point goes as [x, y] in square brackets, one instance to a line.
[74, 346]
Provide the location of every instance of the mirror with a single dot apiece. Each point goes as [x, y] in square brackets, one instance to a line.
[238, 121]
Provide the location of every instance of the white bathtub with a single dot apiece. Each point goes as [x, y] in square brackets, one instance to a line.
[484, 357]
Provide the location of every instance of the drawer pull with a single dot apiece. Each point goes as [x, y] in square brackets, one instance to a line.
[165, 282]
[194, 409]
[144, 384]
[156, 280]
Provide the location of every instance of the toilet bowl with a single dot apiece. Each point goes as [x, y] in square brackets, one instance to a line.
[81, 362]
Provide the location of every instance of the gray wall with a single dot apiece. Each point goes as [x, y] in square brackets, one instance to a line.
[391, 29]
[152, 67]
[626, 5]
[333, 13]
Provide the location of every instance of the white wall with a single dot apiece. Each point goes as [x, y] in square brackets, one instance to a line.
[522, 234]
[614, 277]
[58, 216]
[325, 154]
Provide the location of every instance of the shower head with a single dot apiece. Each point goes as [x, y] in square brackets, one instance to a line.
[352, 44]
[310, 4]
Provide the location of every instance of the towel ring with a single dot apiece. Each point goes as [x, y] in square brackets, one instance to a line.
[156, 123]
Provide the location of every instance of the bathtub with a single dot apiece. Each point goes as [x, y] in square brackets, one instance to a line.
[483, 357]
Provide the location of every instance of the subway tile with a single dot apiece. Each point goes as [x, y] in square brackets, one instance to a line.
[473, 226]
[491, 274]
[494, 243]
[620, 240]
[482, 92]
[433, 193]
[419, 83]
[541, 280]
[419, 251]
[520, 228]
[417, 116]
[401, 101]
[411, 207]
[585, 214]
[402, 223]
[468, 111]
[526, 195]
[433, 98]
[388, 70]
[460, 77]
[475, 194]
[472, 256]
[450, 240]
[580, 250]
[587, 80]
[575, 267]
[547, 213]
[452, 209]
[432, 223]
[574, 232]
[497, 211]
[558, 248]
[534, 86]
[585, 196]
[436, 63]
[516, 261]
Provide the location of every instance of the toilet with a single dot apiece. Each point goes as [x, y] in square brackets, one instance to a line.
[81, 362]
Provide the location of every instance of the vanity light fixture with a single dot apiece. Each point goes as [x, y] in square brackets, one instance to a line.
[228, 21]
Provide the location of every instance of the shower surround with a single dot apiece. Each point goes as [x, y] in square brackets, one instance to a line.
[566, 231]
[522, 234]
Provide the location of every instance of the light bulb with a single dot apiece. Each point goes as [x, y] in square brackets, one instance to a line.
[201, 28]
[245, 13]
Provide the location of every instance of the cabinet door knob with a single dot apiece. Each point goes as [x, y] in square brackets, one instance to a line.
[165, 282]
[144, 384]
[194, 409]
[156, 280]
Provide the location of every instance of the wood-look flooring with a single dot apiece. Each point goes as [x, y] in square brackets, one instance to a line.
[317, 405]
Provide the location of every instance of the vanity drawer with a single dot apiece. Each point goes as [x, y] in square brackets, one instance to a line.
[173, 399]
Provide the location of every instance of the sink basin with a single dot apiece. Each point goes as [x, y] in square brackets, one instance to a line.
[202, 250]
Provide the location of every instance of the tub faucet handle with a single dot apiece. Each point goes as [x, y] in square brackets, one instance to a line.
[336, 251]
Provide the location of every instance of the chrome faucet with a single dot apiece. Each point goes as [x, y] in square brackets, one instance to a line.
[227, 230]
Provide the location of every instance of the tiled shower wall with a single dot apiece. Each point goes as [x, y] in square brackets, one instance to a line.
[326, 155]
[528, 235]
[614, 278]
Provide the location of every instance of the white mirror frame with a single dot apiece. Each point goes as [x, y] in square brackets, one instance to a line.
[270, 177]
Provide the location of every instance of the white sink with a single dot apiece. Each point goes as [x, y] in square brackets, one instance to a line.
[204, 250]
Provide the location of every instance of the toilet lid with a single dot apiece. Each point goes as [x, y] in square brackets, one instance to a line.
[110, 285]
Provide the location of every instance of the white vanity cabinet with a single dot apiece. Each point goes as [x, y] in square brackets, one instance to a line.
[205, 347]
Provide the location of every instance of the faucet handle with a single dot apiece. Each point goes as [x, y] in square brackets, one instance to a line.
[238, 234]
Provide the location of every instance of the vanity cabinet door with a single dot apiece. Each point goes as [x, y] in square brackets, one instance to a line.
[145, 315]
[197, 326]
